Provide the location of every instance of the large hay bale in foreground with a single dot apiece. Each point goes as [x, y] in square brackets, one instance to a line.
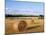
[22, 26]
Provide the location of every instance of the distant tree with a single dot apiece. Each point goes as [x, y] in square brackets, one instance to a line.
[41, 17]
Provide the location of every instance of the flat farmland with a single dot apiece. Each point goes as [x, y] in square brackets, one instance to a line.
[34, 24]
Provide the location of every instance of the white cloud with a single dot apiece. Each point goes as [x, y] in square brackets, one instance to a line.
[23, 11]
[6, 8]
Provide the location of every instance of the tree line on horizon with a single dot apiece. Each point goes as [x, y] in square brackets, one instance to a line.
[24, 15]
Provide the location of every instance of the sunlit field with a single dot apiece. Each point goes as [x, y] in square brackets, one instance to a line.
[32, 25]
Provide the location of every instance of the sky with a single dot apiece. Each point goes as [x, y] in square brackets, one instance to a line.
[14, 7]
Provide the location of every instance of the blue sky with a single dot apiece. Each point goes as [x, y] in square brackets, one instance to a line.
[25, 8]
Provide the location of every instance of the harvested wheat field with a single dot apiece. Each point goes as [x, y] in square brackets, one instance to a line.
[24, 25]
